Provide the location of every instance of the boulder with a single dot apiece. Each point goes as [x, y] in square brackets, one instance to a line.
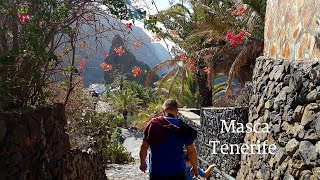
[309, 113]
[313, 96]
[291, 146]
[307, 152]
[305, 175]
[297, 114]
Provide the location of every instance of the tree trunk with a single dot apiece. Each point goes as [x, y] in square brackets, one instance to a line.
[205, 91]
[125, 118]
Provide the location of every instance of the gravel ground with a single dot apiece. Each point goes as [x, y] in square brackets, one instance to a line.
[128, 171]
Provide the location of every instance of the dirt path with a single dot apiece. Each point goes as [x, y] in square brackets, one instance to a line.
[128, 171]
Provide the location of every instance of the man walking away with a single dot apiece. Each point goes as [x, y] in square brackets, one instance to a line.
[167, 136]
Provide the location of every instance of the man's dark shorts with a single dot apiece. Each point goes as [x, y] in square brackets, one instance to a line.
[180, 176]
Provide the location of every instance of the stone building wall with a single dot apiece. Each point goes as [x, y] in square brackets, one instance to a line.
[292, 29]
[286, 95]
[34, 145]
[209, 130]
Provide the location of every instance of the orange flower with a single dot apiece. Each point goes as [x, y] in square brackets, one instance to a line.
[184, 57]
[82, 65]
[239, 11]
[83, 44]
[191, 67]
[119, 51]
[136, 71]
[137, 45]
[79, 78]
[207, 70]
[106, 54]
[106, 67]
[191, 61]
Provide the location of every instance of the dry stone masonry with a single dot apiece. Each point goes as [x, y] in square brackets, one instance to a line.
[292, 29]
[34, 145]
[287, 97]
[286, 94]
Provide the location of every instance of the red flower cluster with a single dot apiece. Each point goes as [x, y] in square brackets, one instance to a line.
[106, 53]
[119, 51]
[129, 25]
[239, 11]
[24, 18]
[136, 71]
[235, 40]
[82, 65]
[207, 70]
[106, 67]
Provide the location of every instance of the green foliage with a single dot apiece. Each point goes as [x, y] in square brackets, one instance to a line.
[125, 100]
[118, 120]
[153, 110]
[103, 136]
[259, 6]
[113, 151]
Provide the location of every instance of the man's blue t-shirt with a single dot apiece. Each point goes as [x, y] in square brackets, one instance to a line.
[188, 173]
[167, 159]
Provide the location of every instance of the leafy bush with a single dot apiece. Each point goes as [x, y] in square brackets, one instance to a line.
[113, 151]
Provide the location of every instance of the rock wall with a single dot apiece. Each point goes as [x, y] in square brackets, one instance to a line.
[286, 95]
[34, 145]
[209, 130]
[292, 29]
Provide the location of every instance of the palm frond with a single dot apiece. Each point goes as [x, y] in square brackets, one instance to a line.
[166, 77]
[160, 66]
[248, 53]
[173, 80]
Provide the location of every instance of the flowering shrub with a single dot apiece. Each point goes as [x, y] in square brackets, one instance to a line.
[235, 40]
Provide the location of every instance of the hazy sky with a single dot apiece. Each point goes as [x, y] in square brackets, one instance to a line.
[162, 4]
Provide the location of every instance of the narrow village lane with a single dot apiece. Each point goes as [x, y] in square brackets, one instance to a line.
[128, 171]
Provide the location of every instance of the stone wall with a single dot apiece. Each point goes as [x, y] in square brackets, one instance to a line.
[292, 29]
[286, 95]
[209, 130]
[34, 145]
